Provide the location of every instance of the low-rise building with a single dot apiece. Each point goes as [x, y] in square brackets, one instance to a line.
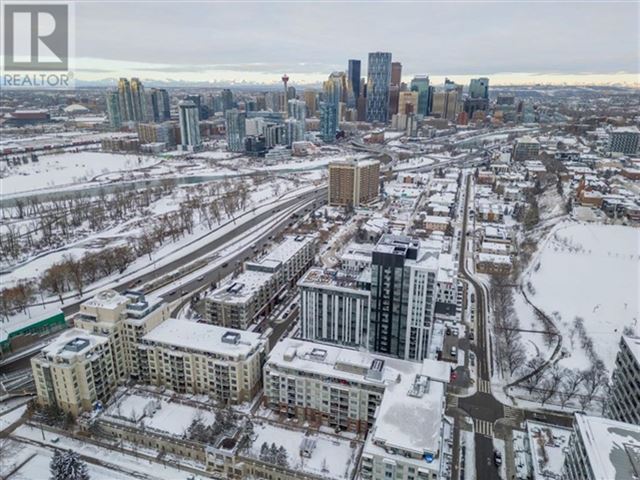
[493, 264]
[411, 437]
[240, 302]
[190, 357]
[329, 385]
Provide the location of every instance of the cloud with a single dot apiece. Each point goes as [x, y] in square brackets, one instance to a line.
[317, 38]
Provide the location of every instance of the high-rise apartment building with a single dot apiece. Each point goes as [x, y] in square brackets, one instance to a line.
[353, 183]
[328, 121]
[623, 403]
[189, 126]
[113, 109]
[236, 129]
[311, 101]
[403, 297]
[138, 100]
[157, 105]
[227, 100]
[378, 83]
[446, 104]
[353, 79]
[334, 308]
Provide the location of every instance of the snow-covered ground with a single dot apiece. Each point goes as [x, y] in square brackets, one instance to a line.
[68, 168]
[332, 457]
[116, 460]
[589, 271]
[158, 413]
[37, 464]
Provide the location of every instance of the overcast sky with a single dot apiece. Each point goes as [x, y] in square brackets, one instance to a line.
[256, 42]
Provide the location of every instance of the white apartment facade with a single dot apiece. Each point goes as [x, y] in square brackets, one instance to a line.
[334, 308]
[624, 396]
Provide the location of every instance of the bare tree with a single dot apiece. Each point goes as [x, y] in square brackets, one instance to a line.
[550, 384]
[75, 272]
[570, 386]
[54, 280]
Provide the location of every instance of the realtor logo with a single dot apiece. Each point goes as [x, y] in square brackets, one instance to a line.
[36, 37]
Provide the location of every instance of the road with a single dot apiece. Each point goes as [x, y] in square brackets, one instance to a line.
[481, 406]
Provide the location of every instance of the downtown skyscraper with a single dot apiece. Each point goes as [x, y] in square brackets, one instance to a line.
[420, 84]
[353, 79]
[378, 83]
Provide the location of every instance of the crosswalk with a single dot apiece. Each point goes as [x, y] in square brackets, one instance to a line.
[483, 427]
[484, 386]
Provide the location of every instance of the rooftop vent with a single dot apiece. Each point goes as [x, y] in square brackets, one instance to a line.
[232, 338]
[76, 344]
[289, 354]
[318, 354]
[375, 370]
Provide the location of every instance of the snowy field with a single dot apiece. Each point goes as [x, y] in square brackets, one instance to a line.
[592, 272]
[67, 169]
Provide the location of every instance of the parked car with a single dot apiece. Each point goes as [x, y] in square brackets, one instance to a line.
[497, 458]
[453, 352]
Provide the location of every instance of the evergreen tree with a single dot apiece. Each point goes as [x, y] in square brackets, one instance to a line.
[281, 457]
[68, 466]
[264, 452]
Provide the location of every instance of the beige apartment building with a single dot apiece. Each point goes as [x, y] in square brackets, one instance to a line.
[74, 371]
[190, 357]
[124, 319]
[83, 365]
[353, 183]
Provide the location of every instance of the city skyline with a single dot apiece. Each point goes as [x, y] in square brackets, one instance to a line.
[597, 47]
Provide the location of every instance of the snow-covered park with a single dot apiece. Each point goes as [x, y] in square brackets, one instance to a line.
[591, 272]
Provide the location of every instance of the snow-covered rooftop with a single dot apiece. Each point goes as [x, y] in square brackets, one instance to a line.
[72, 343]
[612, 448]
[242, 288]
[204, 337]
[291, 245]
